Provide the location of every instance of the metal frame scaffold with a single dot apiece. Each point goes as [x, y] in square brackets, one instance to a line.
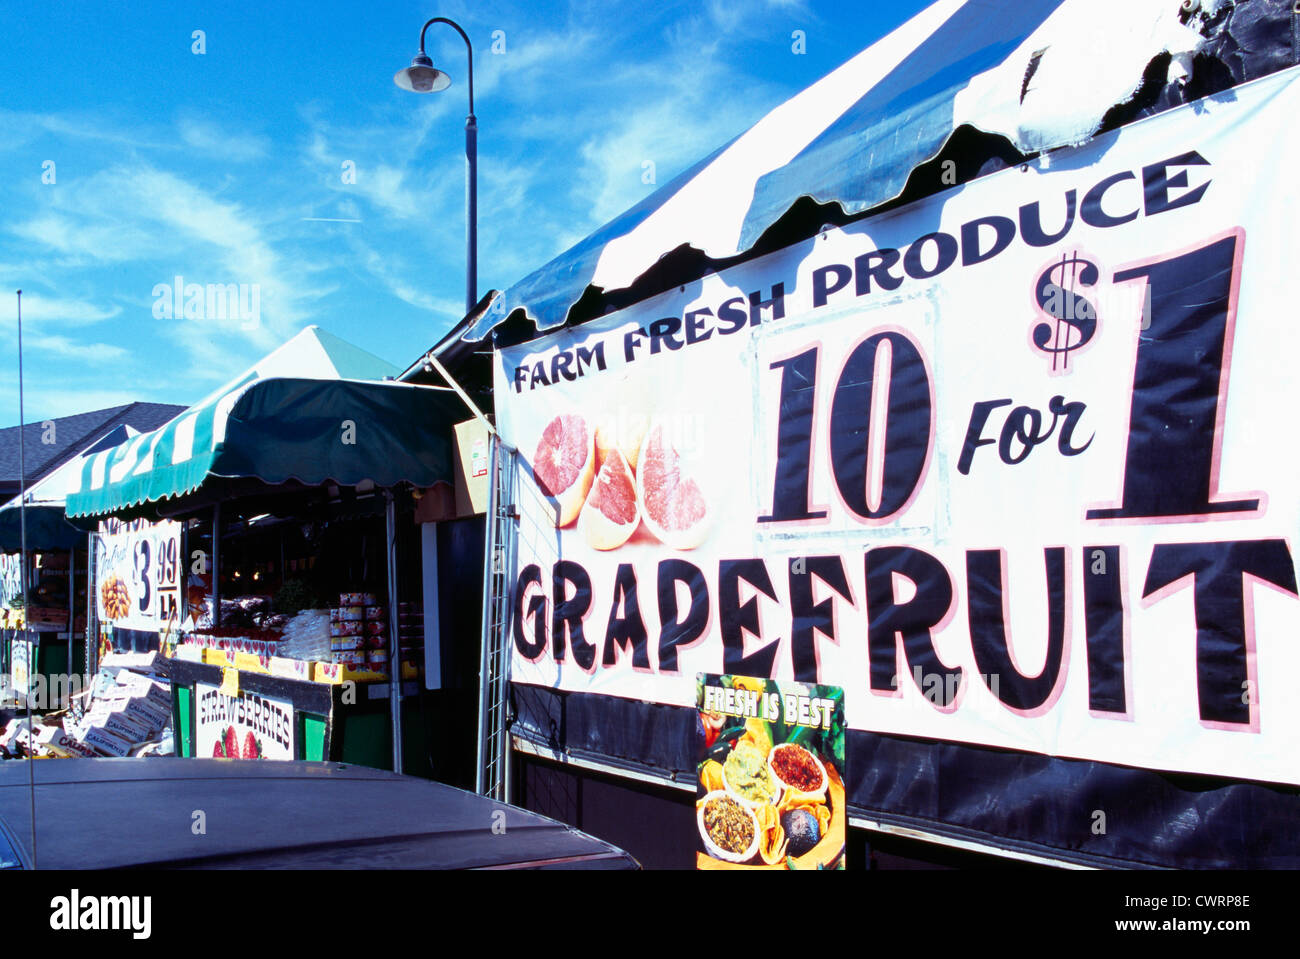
[492, 773]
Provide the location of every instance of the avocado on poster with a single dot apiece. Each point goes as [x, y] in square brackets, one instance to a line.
[770, 774]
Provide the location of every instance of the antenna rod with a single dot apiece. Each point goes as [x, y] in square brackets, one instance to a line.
[22, 574]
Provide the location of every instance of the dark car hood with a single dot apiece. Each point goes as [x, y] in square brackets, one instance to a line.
[109, 813]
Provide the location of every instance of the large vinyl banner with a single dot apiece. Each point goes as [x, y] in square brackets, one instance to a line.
[1014, 465]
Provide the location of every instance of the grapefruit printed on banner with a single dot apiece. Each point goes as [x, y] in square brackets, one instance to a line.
[622, 431]
[672, 504]
[565, 464]
[610, 515]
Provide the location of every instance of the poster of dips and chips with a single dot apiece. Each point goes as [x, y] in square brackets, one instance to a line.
[770, 785]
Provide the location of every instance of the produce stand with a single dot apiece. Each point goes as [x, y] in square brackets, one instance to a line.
[57, 609]
[325, 725]
[334, 682]
[310, 438]
[53, 614]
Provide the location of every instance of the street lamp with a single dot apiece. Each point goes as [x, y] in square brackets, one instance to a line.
[422, 77]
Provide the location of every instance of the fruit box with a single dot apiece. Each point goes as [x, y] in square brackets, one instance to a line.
[217, 657]
[148, 663]
[146, 711]
[130, 684]
[128, 726]
[105, 742]
[190, 653]
[47, 616]
[251, 662]
[335, 673]
[291, 668]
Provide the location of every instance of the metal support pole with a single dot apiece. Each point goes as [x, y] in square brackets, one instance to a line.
[394, 651]
[92, 607]
[471, 160]
[485, 653]
[216, 565]
[27, 610]
[72, 608]
[471, 213]
[507, 458]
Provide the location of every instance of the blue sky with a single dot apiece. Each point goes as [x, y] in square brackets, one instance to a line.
[229, 166]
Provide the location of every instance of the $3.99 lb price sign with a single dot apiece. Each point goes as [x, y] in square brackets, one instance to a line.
[138, 574]
[1011, 465]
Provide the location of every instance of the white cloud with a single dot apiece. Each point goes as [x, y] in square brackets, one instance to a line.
[42, 310]
[86, 240]
[97, 353]
[216, 142]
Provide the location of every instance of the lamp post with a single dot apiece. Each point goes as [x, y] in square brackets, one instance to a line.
[422, 77]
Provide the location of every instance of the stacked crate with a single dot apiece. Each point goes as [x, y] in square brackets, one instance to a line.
[410, 634]
[359, 633]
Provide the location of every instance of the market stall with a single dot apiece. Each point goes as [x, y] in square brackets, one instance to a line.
[41, 629]
[885, 406]
[294, 489]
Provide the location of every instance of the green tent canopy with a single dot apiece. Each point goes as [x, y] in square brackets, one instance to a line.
[340, 426]
[47, 529]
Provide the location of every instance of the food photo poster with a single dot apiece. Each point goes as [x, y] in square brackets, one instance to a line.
[770, 774]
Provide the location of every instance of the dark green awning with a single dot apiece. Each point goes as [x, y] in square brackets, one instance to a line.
[47, 529]
[279, 430]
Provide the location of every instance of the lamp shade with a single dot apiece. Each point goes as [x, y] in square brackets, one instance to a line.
[421, 76]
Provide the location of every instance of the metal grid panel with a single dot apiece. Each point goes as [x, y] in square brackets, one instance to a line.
[492, 776]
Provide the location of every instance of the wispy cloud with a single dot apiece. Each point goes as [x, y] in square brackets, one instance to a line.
[210, 138]
[72, 349]
[214, 181]
[40, 311]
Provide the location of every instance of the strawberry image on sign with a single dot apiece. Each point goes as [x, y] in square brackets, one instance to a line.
[232, 743]
[217, 751]
[252, 748]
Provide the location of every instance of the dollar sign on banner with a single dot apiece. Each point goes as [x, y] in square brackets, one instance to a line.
[1073, 318]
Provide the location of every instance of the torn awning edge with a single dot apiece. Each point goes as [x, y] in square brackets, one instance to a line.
[547, 296]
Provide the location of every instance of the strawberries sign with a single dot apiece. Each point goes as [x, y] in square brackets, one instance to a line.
[247, 726]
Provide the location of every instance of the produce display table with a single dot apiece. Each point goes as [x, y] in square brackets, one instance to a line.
[273, 717]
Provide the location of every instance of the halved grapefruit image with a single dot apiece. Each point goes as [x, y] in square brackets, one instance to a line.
[623, 432]
[565, 464]
[672, 504]
[610, 517]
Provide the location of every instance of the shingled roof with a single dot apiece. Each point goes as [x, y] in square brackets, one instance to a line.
[71, 435]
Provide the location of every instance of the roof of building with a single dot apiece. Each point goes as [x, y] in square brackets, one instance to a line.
[50, 443]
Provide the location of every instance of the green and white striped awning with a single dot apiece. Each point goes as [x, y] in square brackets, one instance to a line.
[313, 412]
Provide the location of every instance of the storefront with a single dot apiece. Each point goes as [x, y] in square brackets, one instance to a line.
[44, 631]
[269, 536]
[924, 457]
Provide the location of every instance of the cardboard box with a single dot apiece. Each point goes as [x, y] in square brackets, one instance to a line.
[473, 443]
[15, 729]
[252, 662]
[128, 727]
[106, 743]
[47, 616]
[217, 657]
[148, 663]
[146, 712]
[291, 668]
[71, 749]
[337, 673]
[468, 493]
